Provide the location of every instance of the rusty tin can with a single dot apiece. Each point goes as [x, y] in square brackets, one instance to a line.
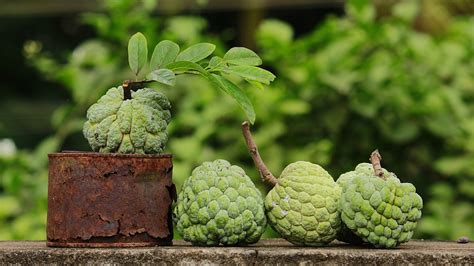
[109, 200]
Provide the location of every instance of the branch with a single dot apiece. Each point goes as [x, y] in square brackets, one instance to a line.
[375, 159]
[265, 174]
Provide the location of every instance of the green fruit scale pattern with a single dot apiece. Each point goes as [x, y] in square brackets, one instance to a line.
[219, 204]
[345, 234]
[381, 212]
[303, 206]
[136, 125]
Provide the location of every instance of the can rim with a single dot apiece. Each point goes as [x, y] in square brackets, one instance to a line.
[110, 155]
[158, 242]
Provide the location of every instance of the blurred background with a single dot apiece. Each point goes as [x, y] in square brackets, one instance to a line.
[352, 76]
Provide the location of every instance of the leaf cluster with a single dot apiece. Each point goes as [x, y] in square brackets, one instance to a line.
[167, 61]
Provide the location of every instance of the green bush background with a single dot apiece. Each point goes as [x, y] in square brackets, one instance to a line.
[353, 84]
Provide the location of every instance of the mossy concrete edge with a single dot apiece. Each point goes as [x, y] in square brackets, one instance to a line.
[275, 251]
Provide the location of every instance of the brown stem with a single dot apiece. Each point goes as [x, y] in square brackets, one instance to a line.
[375, 159]
[129, 86]
[265, 174]
[127, 93]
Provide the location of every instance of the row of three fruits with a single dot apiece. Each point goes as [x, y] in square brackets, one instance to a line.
[219, 204]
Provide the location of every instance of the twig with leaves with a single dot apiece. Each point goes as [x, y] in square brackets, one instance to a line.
[167, 61]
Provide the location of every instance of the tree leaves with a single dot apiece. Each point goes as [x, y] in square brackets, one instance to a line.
[163, 75]
[235, 92]
[187, 67]
[361, 10]
[256, 84]
[252, 73]
[242, 56]
[137, 52]
[166, 62]
[196, 52]
[215, 62]
[164, 53]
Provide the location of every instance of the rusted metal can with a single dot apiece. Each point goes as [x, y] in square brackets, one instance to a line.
[109, 200]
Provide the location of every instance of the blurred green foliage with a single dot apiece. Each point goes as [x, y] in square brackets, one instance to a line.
[353, 84]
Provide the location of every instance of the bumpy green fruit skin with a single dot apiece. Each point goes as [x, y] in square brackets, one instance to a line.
[136, 125]
[383, 213]
[345, 234]
[303, 206]
[219, 204]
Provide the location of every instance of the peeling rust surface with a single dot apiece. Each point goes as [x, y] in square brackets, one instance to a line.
[104, 200]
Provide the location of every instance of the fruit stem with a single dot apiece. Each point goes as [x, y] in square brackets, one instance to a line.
[129, 86]
[265, 173]
[375, 159]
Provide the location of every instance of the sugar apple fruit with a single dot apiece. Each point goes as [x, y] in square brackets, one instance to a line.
[345, 234]
[136, 125]
[303, 206]
[381, 211]
[219, 204]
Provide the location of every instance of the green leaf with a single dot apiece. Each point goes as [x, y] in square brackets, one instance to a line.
[361, 10]
[242, 56]
[252, 73]
[165, 53]
[61, 114]
[235, 92]
[196, 52]
[294, 107]
[9, 206]
[406, 10]
[214, 62]
[137, 52]
[185, 66]
[274, 32]
[162, 75]
[256, 84]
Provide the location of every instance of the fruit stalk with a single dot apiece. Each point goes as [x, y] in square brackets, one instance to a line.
[129, 86]
[265, 173]
[375, 159]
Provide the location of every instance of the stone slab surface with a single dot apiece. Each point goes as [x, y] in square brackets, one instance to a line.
[275, 251]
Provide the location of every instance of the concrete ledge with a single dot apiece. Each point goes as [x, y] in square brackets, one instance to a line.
[275, 251]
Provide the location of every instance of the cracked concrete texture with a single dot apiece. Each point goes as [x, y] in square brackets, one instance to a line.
[275, 251]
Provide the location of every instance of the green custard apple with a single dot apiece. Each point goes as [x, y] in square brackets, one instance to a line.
[303, 205]
[219, 204]
[345, 234]
[136, 125]
[377, 207]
